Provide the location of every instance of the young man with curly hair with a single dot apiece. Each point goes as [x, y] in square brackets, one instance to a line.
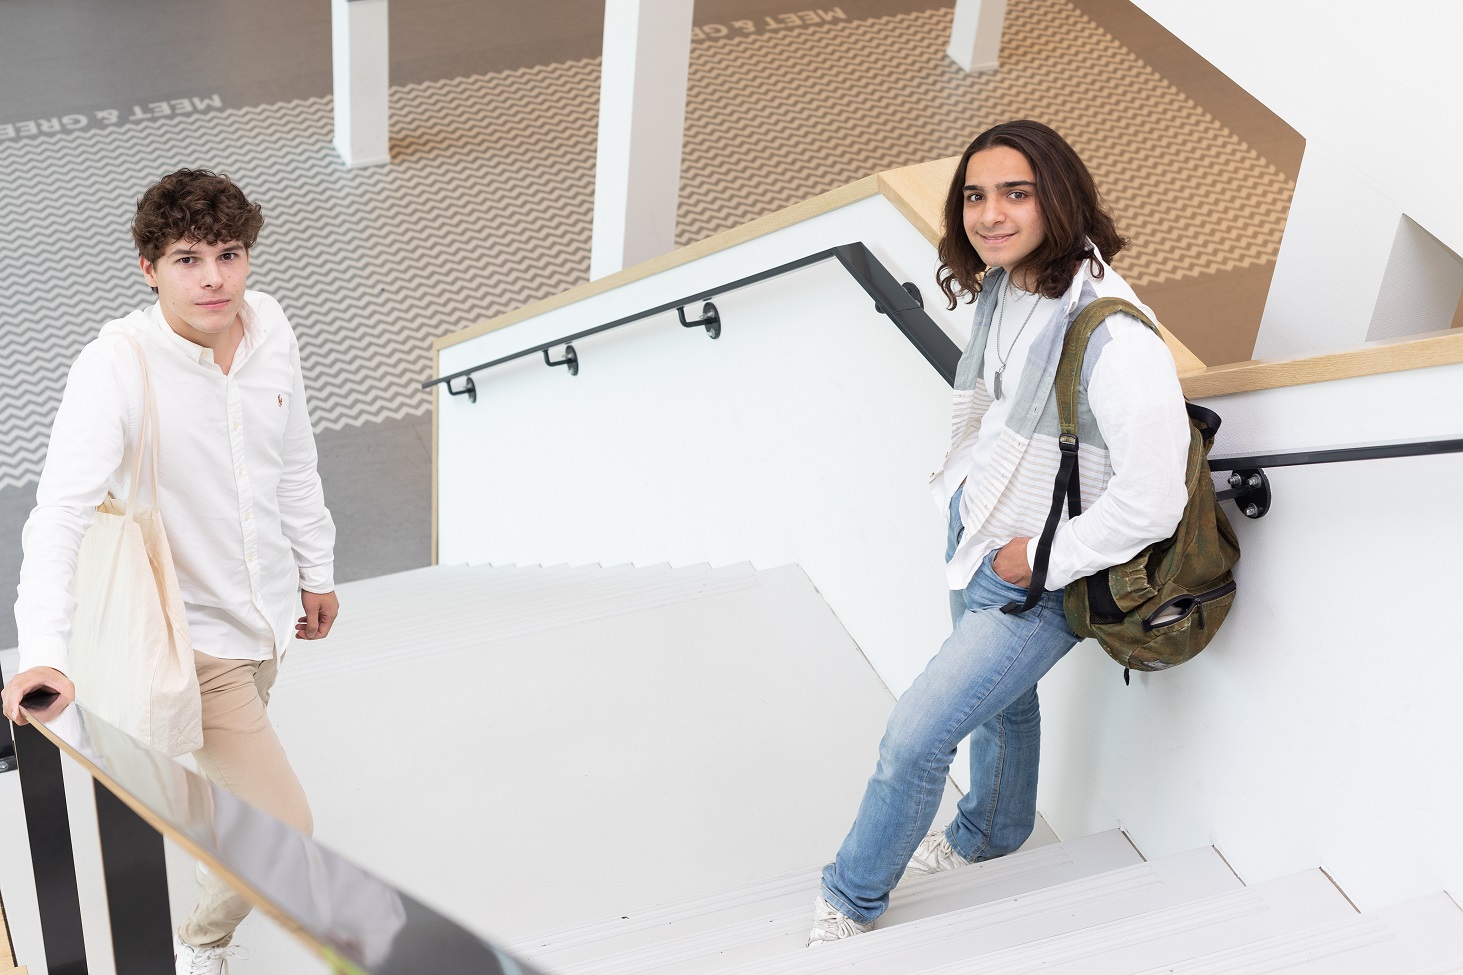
[237, 487]
[1029, 241]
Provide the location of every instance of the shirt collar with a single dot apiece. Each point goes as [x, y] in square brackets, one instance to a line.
[1083, 275]
[192, 351]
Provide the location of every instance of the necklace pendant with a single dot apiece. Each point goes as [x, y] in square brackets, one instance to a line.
[997, 384]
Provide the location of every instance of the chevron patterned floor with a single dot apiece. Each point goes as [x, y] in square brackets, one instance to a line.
[792, 115]
[485, 205]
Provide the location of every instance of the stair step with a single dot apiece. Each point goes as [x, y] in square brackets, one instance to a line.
[1420, 937]
[628, 713]
[790, 896]
[956, 937]
[1010, 876]
[460, 607]
[1163, 937]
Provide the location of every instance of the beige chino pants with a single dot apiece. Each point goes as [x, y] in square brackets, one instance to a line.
[241, 753]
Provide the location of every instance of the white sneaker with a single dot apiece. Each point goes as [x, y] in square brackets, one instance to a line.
[188, 960]
[831, 924]
[933, 855]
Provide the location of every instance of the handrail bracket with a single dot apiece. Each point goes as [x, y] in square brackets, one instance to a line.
[1250, 491]
[571, 359]
[469, 389]
[710, 318]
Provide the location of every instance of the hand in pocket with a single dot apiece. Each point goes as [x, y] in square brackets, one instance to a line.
[1010, 563]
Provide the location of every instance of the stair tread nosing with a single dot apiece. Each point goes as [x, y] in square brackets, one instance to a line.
[1164, 937]
[774, 943]
[955, 937]
[992, 880]
[1420, 937]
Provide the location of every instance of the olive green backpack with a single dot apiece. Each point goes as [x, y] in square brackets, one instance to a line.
[1165, 604]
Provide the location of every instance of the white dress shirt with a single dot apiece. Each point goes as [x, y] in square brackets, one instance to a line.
[1135, 494]
[238, 490]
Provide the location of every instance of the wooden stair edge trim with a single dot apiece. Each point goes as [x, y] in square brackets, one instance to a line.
[7, 949]
[917, 192]
[800, 212]
[192, 846]
[1401, 354]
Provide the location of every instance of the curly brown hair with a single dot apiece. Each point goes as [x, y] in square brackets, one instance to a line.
[194, 204]
[1071, 209]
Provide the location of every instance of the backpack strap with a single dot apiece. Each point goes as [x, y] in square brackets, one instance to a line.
[1068, 485]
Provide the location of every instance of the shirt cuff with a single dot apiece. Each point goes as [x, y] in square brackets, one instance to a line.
[45, 652]
[318, 579]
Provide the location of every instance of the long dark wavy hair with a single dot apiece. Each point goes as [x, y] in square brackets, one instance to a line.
[1071, 209]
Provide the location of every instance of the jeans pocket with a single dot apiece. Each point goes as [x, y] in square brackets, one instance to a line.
[988, 566]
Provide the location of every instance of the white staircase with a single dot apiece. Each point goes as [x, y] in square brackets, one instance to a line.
[1057, 909]
[696, 739]
[529, 748]
[549, 749]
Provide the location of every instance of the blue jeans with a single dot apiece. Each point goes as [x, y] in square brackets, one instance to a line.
[981, 684]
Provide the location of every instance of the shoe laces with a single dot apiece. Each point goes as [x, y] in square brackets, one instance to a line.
[831, 924]
[935, 854]
[212, 961]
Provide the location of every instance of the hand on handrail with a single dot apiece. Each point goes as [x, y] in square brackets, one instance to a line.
[44, 691]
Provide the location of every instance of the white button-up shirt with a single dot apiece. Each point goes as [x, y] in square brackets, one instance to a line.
[1135, 397]
[237, 483]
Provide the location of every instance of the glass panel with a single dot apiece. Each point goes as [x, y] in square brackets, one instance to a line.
[354, 920]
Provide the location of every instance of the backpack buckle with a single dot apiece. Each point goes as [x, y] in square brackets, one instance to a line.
[1068, 443]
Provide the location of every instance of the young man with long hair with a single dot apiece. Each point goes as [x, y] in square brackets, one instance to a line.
[1029, 241]
[237, 488]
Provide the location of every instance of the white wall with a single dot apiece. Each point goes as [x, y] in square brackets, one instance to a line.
[805, 434]
[1374, 92]
[1321, 727]
[1376, 85]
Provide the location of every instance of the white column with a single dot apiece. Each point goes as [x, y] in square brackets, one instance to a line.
[975, 36]
[642, 115]
[1352, 266]
[360, 58]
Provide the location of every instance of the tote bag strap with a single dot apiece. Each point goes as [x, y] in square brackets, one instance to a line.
[148, 430]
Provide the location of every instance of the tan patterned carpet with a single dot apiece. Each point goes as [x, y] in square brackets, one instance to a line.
[796, 114]
[488, 200]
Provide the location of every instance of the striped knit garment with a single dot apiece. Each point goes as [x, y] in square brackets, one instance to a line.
[1012, 496]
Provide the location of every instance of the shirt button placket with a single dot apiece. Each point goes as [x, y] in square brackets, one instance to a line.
[241, 482]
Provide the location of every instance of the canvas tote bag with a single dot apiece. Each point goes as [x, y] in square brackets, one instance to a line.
[130, 654]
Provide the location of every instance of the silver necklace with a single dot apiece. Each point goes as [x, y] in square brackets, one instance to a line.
[1000, 319]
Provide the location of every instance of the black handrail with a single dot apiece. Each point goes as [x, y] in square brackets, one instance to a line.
[1249, 487]
[1336, 455]
[901, 302]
